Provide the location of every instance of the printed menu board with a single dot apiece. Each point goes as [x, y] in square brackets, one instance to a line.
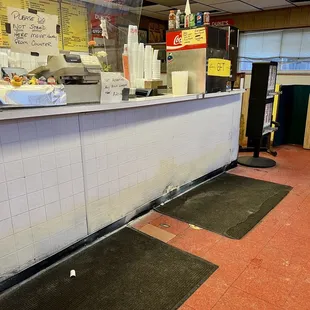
[74, 21]
[44, 6]
[4, 4]
[75, 26]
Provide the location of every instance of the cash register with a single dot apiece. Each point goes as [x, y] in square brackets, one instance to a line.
[80, 75]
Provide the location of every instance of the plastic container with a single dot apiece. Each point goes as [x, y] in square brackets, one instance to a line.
[179, 83]
[178, 19]
[192, 20]
[172, 20]
[199, 19]
[126, 63]
[206, 18]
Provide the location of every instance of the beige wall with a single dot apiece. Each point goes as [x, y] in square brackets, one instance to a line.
[273, 19]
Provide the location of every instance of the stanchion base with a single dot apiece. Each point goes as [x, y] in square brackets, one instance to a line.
[256, 162]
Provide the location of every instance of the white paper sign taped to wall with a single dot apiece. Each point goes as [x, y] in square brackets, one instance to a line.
[104, 28]
[32, 32]
[112, 85]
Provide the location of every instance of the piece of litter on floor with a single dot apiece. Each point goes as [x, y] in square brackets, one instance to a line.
[72, 273]
[194, 227]
[164, 225]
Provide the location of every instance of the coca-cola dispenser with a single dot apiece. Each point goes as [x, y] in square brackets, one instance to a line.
[203, 52]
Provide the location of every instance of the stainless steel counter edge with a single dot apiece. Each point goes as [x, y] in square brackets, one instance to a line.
[31, 112]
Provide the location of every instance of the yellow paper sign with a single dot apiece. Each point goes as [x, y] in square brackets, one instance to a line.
[75, 26]
[219, 67]
[194, 36]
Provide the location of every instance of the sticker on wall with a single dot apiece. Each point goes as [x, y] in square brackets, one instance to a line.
[219, 67]
[170, 57]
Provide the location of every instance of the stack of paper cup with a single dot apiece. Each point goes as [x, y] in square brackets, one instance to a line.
[155, 55]
[140, 83]
[179, 83]
[135, 51]
[140, 61]
[148, 61]
[132, 53]
[156, 69]
[132, 34]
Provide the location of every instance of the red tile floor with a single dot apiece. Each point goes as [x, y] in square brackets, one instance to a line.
[270, 267]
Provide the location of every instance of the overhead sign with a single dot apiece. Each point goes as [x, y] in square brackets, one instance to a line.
[32, 32]
[222, 22]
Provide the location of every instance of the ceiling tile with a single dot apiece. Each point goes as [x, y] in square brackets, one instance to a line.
[156, 8]
[155, 15]
[268, 3]
[170, 2]
[195, 7]
[211, 2]
[235, 7]
[302, 3]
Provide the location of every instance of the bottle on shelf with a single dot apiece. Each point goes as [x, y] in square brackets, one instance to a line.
[199, 19]
[206, 18]
[172, 20]
[192, 20]
[178, 20]
[182, 20]
[186, 21]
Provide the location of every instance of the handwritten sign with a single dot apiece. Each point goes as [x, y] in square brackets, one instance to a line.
[219, 67]
[112, 85]
[33, 33]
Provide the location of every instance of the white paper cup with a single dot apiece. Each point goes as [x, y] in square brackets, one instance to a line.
[179, 83]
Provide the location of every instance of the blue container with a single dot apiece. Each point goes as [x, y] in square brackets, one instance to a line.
[199, 19]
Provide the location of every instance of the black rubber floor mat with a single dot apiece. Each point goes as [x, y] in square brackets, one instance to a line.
[229, 205]
[126, 271]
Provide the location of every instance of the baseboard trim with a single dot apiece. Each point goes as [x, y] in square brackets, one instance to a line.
[38, 267]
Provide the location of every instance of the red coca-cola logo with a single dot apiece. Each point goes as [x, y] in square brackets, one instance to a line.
[177, 40]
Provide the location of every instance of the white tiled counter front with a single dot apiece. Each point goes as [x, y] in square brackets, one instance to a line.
[42, 202]
[66, 176]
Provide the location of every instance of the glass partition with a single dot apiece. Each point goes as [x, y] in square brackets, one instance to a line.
[84, 27]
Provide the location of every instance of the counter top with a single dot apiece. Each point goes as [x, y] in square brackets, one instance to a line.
[30, 112]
